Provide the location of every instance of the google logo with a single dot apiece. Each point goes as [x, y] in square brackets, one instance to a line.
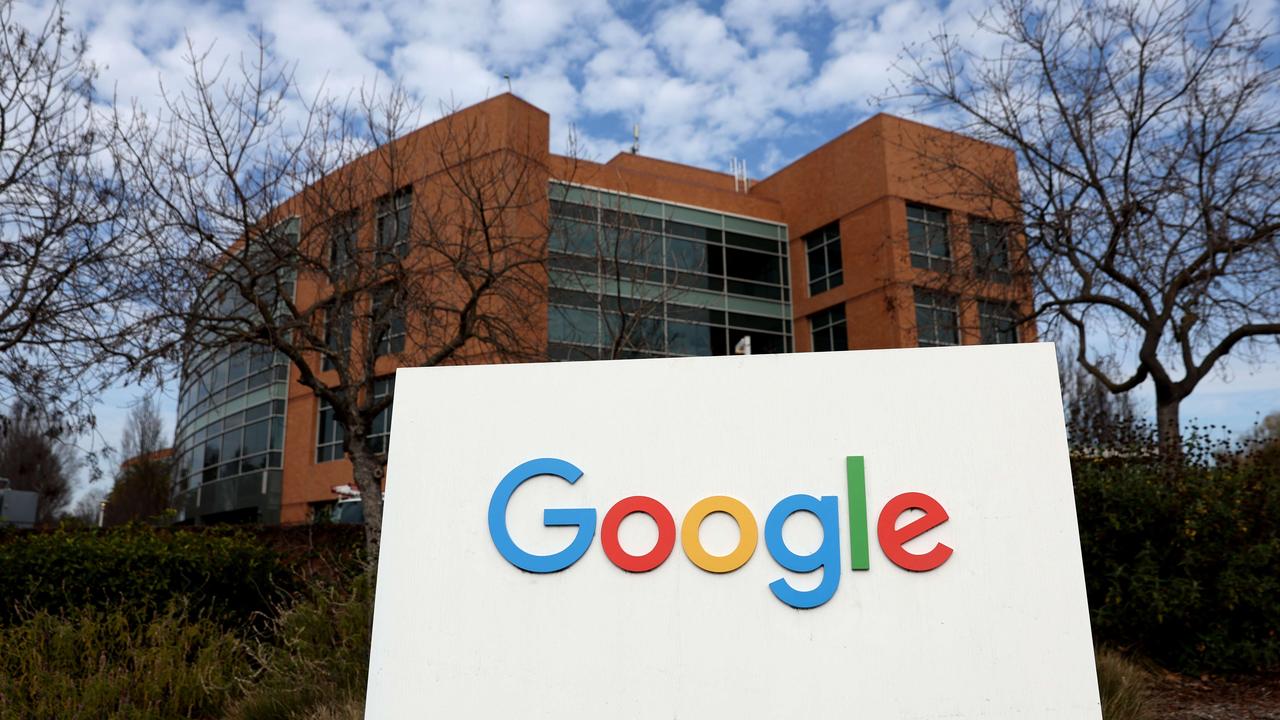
[826, 509]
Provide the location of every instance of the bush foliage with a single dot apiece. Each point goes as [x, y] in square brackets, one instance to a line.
[225, 574]
[1182, 558]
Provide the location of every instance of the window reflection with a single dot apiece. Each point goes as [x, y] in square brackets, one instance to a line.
[692, 266]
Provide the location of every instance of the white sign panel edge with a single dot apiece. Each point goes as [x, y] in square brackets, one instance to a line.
[1000, 629]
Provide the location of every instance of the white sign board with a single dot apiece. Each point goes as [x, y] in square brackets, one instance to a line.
[927, 493]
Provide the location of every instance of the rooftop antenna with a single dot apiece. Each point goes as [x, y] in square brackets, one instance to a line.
[741, 183]
[507, 77]
[635, 139]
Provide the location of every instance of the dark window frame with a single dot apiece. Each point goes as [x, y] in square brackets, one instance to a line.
[829, 329]
[997, 322]
[330, 448]
[344, 239]
[379, 438]
[990, 246]
[387, 325]
[395, 209]
[330, 433]
[694, 257]
[935, 304]
[934, 230]
[824, 244]
[337, 333]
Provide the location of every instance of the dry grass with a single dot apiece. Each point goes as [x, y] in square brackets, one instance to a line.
[1123, 687]
[352, 709]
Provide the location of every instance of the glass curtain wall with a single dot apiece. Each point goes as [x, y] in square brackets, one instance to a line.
[642, 278]
[230, 432]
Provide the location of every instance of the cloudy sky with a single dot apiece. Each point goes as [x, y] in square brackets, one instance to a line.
[764, 80]
[761, 79]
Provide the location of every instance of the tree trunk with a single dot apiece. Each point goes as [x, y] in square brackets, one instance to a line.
[367, 474]
[1168, 428]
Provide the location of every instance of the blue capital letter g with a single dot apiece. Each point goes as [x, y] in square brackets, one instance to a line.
[583, 518]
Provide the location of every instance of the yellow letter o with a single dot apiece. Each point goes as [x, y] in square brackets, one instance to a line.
[691, 540]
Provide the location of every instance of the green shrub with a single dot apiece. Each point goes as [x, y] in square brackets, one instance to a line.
[109, 664]
[317, 662]
[227, 574]
[1122, 686]
[1183, 562]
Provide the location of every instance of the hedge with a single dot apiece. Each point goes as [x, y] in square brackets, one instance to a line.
[224, 574]
[1183, 563]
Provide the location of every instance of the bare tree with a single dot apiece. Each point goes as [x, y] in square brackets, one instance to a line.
[1261, 445]
[144, 480]
[1099, 421]
[320, 231]
[144, 433]
[67, 321]
[33, 458]
[1147, 135]
[612, 257]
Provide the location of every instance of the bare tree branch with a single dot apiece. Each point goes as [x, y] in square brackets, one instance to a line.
[1148, 138]
[324, 233]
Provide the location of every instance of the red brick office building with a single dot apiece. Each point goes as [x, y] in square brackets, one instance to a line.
[868, 241]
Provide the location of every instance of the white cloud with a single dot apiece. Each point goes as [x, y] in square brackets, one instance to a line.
[702, 81]
[524, 28]
[622, 73]
[761, 21]
[697, 44]
[299, 29]
[440, 75]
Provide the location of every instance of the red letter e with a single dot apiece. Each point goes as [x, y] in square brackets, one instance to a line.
[893, 538]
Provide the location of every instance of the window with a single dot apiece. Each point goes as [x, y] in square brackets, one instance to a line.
[639, 278]
[572, 236]
[927, 236]
[829, 329]
[393, 219]
[337, 333]
[990, 250]
[822, 247]
[936, 319]
[574, 325]
[342, 241]
[330, 435]
[380, 430]
[998, 322]
[255, 446]
[212, 455]
[753, 273]
[386, 322]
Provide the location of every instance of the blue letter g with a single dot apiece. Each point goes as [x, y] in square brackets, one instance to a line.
[583, 518]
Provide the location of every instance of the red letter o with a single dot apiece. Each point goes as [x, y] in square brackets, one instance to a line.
[661, 549]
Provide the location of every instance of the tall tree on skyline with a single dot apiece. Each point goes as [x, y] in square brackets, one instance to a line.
[1148, 143]
[69, 253]
[33, 458]
[144, 478]
[327, 234]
